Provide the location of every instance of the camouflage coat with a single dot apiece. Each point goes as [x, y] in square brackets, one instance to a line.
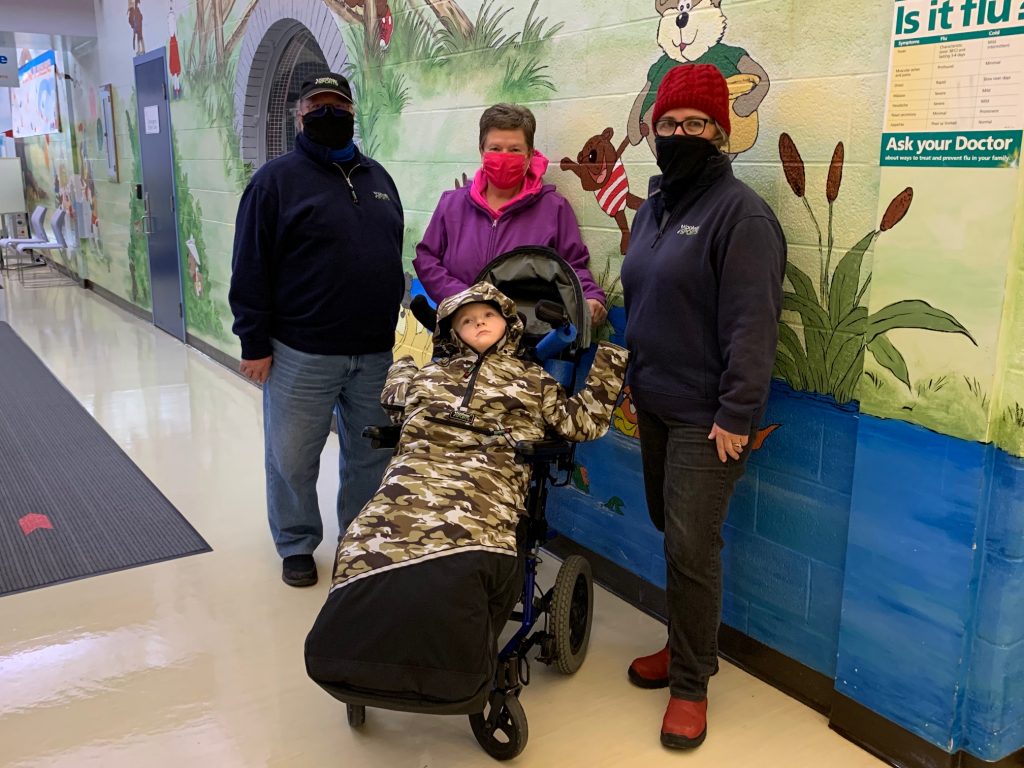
[453, 485]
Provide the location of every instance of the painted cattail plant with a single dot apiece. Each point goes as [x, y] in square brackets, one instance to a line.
[837, 329]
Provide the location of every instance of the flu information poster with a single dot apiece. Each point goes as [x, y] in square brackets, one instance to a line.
[956, 84]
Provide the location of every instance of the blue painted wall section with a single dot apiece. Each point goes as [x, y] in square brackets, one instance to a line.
[785, 535]
[907, 601]
[886, 556]
[994, 721]
[787, 527]
[932, 633]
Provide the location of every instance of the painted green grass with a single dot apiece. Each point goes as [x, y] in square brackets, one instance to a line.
[425, 56]
[611, 283]
[522, 80]
[1009, 429]
[415, 39]
[212, 91]
[534, 31]
[951, 404]
[487, 33]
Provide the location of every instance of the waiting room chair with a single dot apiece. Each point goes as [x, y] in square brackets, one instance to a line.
[58, 244]
[36, 234]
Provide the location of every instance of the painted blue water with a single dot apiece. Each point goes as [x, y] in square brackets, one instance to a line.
[879, 553]
[785, 534]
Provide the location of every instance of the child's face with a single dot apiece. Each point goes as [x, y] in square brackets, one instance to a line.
[479, 325]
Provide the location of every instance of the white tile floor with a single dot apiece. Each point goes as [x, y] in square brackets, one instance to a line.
[198, 661]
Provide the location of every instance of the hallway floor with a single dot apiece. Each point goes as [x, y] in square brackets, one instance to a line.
[198, 661]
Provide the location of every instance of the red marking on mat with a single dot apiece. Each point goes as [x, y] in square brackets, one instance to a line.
[34, 521]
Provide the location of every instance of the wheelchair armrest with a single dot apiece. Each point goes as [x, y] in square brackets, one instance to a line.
[384, 436]
[533, 451]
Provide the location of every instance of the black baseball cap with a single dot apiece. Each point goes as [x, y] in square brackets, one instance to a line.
[329, 82]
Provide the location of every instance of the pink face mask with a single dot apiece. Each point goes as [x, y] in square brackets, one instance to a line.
[505, 170]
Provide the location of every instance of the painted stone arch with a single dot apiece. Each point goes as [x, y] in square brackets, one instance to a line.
[271, 27]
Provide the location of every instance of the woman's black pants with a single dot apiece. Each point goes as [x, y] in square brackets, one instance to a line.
[688, 490]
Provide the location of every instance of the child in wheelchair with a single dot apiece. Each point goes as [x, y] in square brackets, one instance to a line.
[429, 572]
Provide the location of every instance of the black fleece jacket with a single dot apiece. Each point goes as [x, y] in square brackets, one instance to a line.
[703, 292]
[317, 264]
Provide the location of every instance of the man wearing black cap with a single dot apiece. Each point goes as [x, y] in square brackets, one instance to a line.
[316, 285]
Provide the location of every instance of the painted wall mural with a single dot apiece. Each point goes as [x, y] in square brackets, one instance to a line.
[600, 170]
[837, 329]
[173, 52]
[693, 33]
[135, 22]
[901, 343]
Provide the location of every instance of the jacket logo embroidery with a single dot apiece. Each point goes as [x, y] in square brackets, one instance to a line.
[381, 195]
[688, 229]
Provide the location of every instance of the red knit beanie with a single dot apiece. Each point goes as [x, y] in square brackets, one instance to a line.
[697, 86]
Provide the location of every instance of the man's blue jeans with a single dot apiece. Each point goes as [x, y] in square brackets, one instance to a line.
[298, 399]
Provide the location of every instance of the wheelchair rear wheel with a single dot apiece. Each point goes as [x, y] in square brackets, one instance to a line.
[572, 613]
[502, 734]
[356, 715]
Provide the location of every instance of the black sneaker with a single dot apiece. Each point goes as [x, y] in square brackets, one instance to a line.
[299, 571]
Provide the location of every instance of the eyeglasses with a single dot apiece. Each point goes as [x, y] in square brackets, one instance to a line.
[336, 109]
[692, 126]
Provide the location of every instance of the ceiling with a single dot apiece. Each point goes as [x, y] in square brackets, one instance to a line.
[48, 17]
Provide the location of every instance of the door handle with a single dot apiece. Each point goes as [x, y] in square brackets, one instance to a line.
[147, 217]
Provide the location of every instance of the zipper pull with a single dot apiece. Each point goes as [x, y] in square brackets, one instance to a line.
[666, 215]
[351, 189]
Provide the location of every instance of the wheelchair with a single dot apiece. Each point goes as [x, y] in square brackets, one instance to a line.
[557, 621]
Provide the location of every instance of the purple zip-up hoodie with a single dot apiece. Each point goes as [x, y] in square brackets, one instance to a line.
[464, 234]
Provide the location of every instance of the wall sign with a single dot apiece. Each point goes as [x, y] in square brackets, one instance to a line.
[34, 107]
[152, 116]
[8, 68]
[956, 84]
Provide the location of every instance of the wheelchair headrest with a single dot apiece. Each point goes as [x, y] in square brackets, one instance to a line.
[531, 274]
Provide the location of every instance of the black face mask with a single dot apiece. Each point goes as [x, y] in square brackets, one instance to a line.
[333, 129]
[681, 160]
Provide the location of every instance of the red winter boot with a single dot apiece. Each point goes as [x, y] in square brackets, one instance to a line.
[650, 671]
[685, 724]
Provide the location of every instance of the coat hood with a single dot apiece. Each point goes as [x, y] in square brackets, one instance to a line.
[481, 292]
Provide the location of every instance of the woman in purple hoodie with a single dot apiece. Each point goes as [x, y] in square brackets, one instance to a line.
[506, 206]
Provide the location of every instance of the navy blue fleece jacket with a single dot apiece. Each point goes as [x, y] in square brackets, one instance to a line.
[317, 265]
[703, 291]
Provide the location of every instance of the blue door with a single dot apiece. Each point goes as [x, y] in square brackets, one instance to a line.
[160, 222]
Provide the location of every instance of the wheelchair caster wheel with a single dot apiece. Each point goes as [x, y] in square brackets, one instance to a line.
[356, 715]
[572, 613]
[501, 733]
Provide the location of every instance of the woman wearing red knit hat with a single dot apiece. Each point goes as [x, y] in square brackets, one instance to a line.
[702, 282]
